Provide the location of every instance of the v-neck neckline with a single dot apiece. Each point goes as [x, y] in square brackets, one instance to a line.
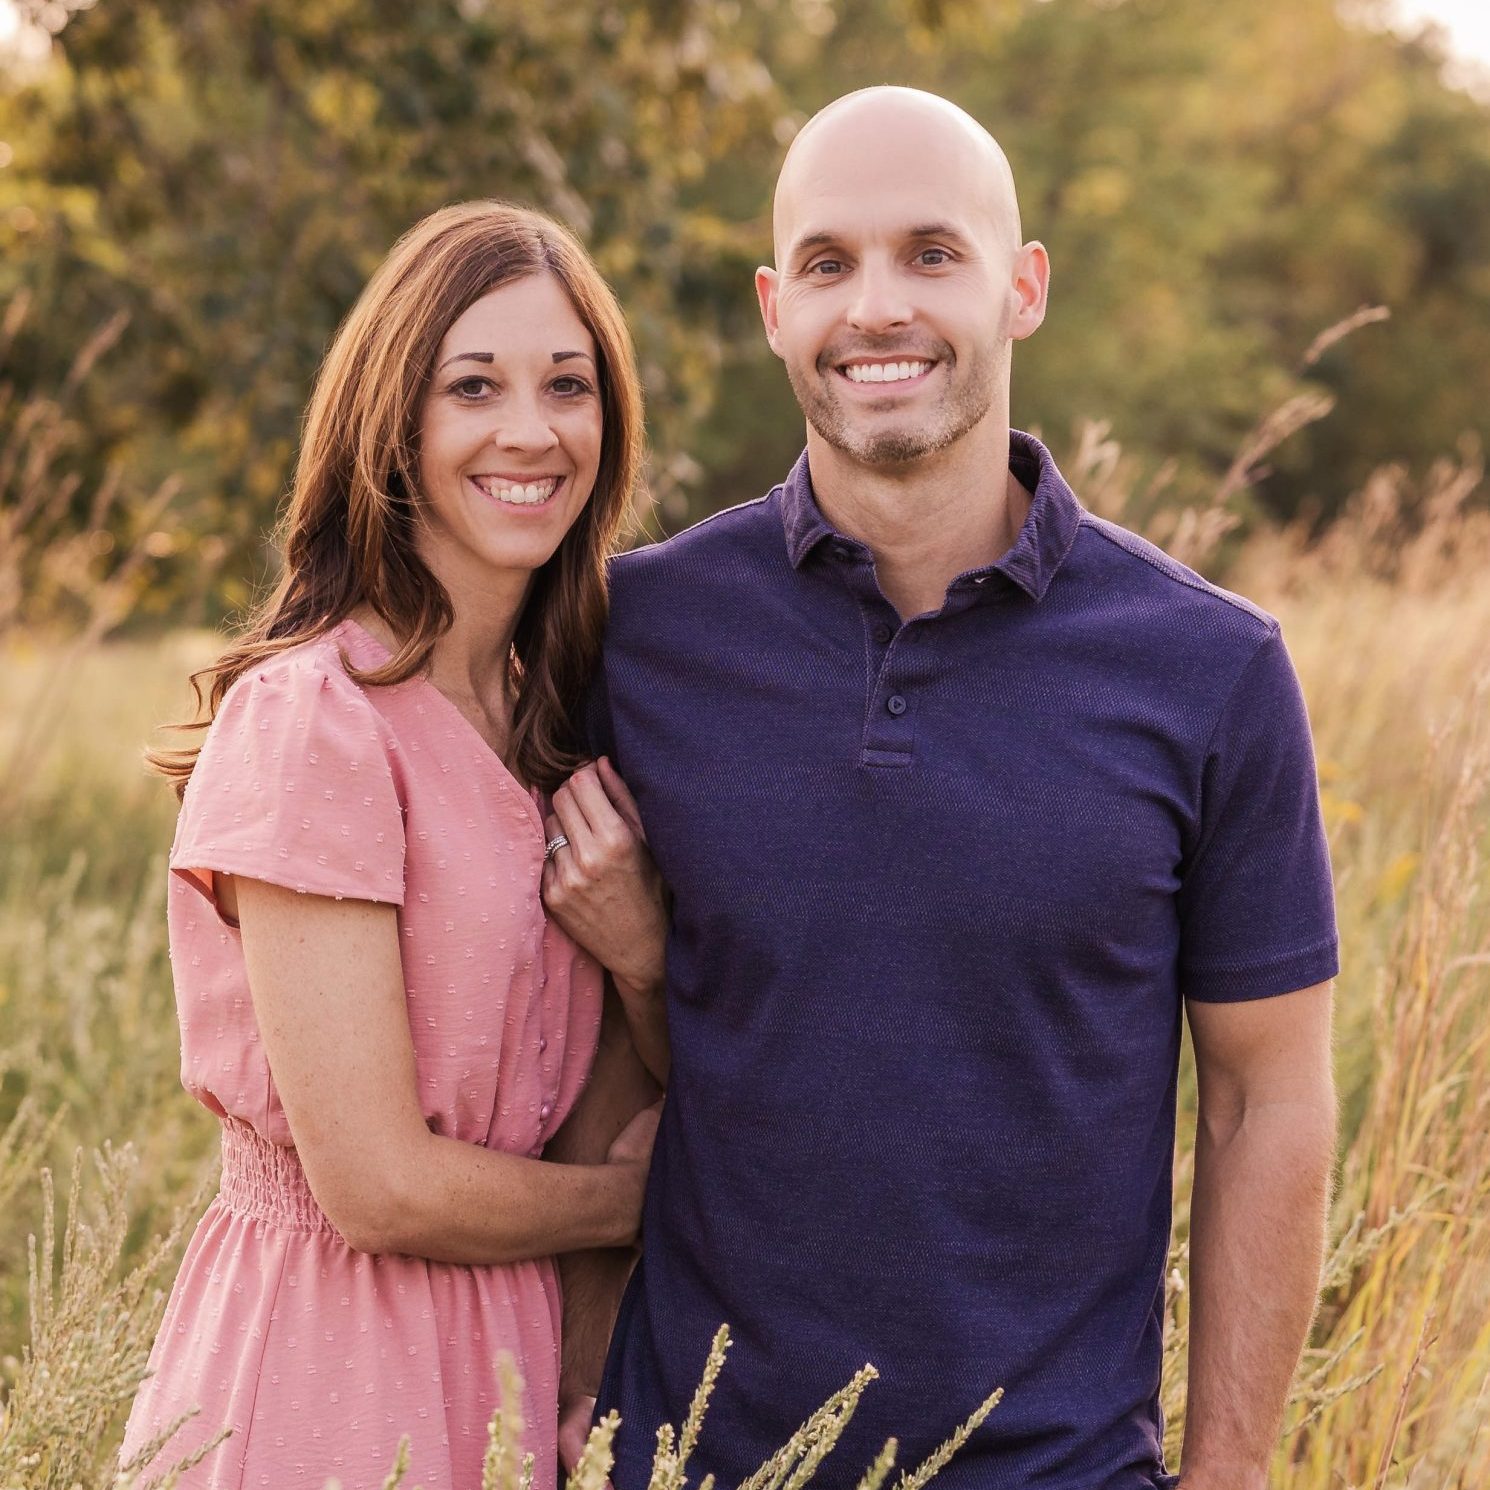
[529, 794]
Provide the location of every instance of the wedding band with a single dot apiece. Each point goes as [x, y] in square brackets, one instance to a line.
[554, 844]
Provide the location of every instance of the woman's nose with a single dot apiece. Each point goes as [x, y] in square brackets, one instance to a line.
[525, 426]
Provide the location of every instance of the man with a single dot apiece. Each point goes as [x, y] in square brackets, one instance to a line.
[962, 795]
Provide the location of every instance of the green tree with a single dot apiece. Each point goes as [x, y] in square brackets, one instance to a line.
[1216, 184]
[230, 172]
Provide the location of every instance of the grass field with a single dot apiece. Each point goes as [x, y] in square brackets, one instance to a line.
[1389, 622]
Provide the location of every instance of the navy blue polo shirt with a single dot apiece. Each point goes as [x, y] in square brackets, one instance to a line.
[940, 887]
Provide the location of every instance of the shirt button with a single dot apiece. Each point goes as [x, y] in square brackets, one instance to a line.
[882, 632]
[896, 705]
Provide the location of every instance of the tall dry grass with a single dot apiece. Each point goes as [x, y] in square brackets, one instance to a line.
[1387, 615]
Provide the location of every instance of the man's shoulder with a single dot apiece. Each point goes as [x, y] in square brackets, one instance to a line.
[743, 532]
[1133, 566]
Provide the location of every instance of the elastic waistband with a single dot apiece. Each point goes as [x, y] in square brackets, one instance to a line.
[265, 1181]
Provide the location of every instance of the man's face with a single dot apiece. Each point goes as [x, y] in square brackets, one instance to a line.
[893, 302]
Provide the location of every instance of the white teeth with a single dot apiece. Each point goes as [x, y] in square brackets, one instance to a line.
[524, 495]
[884, 372]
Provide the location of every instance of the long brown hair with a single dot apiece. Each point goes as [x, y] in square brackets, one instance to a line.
[347, 536]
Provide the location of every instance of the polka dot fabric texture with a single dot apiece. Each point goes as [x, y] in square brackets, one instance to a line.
[317, 1357]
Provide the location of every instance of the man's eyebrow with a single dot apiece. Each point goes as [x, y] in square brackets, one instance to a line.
[937, 230]
[810, 241]
[466, 357]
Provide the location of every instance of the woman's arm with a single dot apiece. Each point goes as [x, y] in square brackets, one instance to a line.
[328, 993]
[604, 890]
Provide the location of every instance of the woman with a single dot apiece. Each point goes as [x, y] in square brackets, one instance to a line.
[371, 998]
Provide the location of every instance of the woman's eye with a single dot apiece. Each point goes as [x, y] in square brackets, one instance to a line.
[571, 387]
[470, 388]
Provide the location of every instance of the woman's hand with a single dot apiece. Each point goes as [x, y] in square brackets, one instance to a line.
[602, 887]
[575, 1414]
[632, 1146]
[630, 1156]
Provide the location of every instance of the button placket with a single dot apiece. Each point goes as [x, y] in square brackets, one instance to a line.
[889, 726]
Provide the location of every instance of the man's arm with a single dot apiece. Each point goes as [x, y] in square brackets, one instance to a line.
[620, 1086]
[1264, 1148]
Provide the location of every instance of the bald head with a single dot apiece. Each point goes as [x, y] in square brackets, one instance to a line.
[901, 281]
[868, 142]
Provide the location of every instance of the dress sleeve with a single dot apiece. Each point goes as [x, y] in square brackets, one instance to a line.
[294, 785]
[1256, 901]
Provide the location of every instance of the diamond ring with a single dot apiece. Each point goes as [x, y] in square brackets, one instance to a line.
[554, 844]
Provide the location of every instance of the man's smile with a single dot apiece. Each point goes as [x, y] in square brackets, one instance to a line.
[903, 372]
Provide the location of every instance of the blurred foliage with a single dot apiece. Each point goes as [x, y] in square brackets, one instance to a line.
[1215, 183]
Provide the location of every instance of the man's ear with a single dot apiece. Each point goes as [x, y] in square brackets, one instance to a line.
[1031, 285]
[766, 281]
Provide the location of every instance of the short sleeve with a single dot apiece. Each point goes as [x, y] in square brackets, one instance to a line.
[294, 785]
[1256, 900]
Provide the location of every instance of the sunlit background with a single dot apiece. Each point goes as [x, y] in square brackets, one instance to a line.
[1268, 349]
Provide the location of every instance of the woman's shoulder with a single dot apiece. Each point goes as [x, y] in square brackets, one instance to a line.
[299, 701]
[311, 665]
[296, 783]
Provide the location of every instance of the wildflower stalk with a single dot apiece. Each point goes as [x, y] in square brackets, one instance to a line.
[940, 1458]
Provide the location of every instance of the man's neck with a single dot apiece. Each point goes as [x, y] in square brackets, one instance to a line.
[926, 522]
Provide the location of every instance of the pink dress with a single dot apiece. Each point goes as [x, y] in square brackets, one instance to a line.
[318, 1357]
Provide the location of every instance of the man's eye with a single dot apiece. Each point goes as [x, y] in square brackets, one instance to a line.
[933, 258]
[827, 267]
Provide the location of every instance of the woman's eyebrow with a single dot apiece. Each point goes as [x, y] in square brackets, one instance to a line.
[466, 357]
[488, 357]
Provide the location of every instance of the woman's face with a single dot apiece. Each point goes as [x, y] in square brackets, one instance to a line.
[509, 435]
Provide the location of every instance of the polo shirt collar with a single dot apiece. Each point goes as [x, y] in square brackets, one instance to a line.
[1038, 551]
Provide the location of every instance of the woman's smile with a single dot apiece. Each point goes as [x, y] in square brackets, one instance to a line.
[518, 491]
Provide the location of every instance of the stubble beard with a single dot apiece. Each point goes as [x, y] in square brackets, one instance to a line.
[960, 409]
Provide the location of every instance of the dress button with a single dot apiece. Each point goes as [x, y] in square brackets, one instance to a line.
[542, 1044]
[896, 705]
[546, 1111]
[882, 632]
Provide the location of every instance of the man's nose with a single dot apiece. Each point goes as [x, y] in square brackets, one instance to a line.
[524, 425]
[879, 302]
